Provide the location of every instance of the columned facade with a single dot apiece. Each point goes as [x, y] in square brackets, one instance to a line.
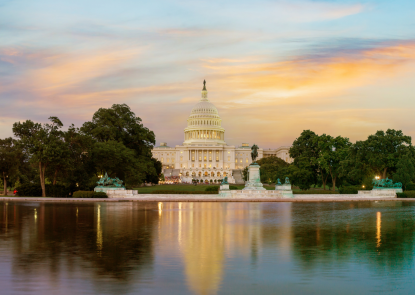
[204, 155]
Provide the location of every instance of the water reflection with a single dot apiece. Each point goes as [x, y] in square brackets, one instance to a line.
[206, 248]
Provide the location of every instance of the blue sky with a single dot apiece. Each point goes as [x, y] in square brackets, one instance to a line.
[273, 68]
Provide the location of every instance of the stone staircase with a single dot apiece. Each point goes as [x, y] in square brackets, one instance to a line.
[237, 175]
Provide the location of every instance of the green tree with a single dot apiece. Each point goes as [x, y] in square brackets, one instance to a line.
[333, 150]
[116, 127]
[381, 152]
[42, 143]
[305, 152]
[270, 167]
[405, 171]
[245, 173]
[10, 157]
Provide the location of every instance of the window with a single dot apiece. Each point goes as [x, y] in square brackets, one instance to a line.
[181, 158]
[200, 159]
[218, 174]
[236, 160]
[204, 165]
[204, 158]
[193, 165]
[224, 174]
[162, 160]
[247, 160]
[217, 158]
[229, 158]
[172, 160]
[200, 165]
[241, 160]
[181, 165]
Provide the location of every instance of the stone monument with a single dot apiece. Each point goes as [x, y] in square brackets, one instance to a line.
[224, 190]
[285, 188]
[254, 177]
[106, 184]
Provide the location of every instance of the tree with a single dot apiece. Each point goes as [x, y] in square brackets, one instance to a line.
[305, 153]
[10, 157]
[270, 166]
[333, 150]
[405, 171]
[42, 143]
[381, 152]
[245, 174]
[119, 128]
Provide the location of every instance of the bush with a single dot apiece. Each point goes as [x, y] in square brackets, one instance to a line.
[233, 187]
[89, 194]
[406, 194]
[173, 192]
[212, 189]
[349, 190]
[35, 190]
[401, 195]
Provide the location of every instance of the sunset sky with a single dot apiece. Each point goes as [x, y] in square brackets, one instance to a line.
[273, 68]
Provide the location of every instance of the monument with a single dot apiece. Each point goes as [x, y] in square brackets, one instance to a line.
[254, 177]
[107, 183]
[224, 190]
[285, 188]
[383, 188]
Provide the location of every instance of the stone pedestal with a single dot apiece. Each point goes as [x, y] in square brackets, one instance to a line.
[224, 190]
[107, 189]
[285, 190]
[254, 179]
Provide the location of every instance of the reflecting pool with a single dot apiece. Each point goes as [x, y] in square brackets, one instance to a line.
[207, 248]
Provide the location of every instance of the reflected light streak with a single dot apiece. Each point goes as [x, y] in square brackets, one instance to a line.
[180, 224]
[378, 229]
[35, 215]
[99, 231]
[160, 208]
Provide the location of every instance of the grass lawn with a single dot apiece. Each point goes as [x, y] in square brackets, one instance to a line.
[185, 187]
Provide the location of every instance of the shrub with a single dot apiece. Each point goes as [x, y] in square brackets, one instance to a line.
[349, 190]
[173, 192]
[212, 188]
[406, 194]
[35, 190]
[233, 187]
[89, 194]
[401, 195]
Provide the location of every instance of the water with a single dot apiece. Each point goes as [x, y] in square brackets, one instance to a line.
[207, 248]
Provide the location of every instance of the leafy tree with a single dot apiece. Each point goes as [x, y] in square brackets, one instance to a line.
[299, 176]
[381, 152]
[118, 131]
[333, 150]
[245, 173]
[42, 143]
[270, 167]
[405, 171]
[10, 156]
[305, 152]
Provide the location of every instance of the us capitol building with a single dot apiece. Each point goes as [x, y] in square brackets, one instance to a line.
[204, 154]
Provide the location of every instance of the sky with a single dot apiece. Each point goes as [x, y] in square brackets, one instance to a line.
[273, 68]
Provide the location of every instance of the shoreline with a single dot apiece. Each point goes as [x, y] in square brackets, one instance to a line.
[158, 198]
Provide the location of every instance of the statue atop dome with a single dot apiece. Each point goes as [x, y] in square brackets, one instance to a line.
[204, 92]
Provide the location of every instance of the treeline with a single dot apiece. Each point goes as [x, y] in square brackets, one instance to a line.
[114, 141]
[327, 161]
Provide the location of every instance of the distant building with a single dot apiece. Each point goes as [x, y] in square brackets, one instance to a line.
[204, 155]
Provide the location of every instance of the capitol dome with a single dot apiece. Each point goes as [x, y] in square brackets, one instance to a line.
[204, 124]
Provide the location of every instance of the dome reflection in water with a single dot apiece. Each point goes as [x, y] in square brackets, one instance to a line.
[207, 248]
